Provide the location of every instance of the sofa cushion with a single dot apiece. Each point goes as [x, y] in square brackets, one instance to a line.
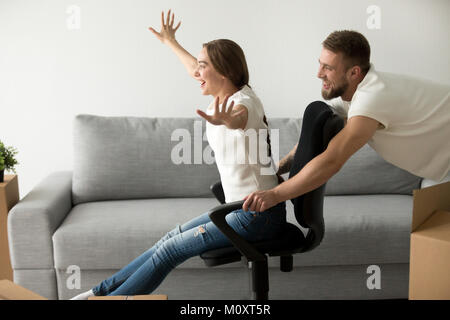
[363, 229]
[109, 234]
[119, 158]
[285, 133]
[365, 172]
[135, 158]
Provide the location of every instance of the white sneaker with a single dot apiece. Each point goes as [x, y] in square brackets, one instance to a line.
[84, 295]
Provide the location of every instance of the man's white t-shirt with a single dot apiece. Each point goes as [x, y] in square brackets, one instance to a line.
[415, 120]
[242, 154]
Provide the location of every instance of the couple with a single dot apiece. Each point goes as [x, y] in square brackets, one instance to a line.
[396, 115]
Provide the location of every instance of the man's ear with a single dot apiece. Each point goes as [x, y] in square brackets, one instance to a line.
[356, 71]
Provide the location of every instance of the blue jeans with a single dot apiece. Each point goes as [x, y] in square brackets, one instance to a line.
[145, 273]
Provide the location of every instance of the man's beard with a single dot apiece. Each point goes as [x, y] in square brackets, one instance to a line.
[335, 92]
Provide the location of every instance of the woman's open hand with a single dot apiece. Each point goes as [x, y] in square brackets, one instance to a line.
[225, 116]
[167, 32]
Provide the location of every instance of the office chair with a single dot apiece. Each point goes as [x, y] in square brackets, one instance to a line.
[319, 126]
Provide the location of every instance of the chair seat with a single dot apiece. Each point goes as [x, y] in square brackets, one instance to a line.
[291, 240]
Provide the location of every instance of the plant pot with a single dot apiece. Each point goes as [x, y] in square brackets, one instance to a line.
[2, 175]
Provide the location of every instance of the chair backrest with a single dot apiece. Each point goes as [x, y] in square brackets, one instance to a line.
[319, 126]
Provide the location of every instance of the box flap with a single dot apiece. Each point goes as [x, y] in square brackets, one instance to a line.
[429, 200]
[436, 227]
[12, 291]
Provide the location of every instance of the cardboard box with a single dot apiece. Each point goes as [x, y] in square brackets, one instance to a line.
[12, 291]
[138, 297]
[429, 273]
[9, 196]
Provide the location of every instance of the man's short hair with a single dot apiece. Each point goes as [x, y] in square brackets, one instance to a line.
[353, 45]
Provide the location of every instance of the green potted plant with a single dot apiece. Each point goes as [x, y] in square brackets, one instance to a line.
[7, 160]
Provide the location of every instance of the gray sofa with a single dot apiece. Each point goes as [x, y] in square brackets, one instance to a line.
[128, 188]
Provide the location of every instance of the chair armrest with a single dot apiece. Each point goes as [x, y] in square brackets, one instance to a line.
[34, 219]
[217, 216]
[217, 190]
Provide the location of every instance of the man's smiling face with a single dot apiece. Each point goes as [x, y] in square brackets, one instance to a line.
[332, 71]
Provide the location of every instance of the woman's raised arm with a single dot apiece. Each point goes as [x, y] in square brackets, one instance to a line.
[167, 36]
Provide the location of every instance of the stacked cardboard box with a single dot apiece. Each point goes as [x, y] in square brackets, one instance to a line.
[429, 275]
[12, 291]
[9, 196]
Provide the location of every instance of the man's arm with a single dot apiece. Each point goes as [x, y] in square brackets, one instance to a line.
[319, 170]
[285, 164]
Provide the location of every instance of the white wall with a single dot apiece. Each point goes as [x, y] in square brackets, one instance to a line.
[112, 65]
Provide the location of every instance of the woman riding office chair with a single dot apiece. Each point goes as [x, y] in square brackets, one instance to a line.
[319, 126]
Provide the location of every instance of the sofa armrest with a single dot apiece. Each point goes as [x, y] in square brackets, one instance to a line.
[217, 215]
[34, 219]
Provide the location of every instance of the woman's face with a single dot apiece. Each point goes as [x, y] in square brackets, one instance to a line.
[210, 80]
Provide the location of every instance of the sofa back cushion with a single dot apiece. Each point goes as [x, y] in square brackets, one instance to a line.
[136, 158]
[364, 173]
[139, 158]
[367, 173]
